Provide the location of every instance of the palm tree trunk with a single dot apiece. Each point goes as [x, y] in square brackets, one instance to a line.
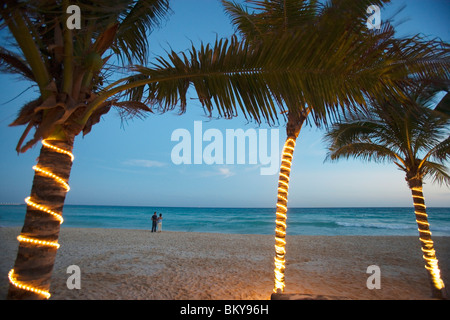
[30, 277]
[429, 254]
[293, 127]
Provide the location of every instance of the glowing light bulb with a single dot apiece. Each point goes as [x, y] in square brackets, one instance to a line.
[281, 214]
[37, 242]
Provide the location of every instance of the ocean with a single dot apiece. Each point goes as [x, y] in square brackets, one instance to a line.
[301, 221]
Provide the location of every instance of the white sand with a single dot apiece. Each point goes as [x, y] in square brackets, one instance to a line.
[137, 264]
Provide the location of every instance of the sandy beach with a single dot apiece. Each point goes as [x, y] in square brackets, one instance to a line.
[137, 264]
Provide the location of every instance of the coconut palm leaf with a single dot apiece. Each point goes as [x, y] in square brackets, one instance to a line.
[138, 22]
[276, 17]
[293, 75]
[365, 151]
[270, 17]
[359, 131]
[19, 26]
[437, 172]
[12, 63]
[132, 109]
[443, 107]
[409, 133]
[441, 151]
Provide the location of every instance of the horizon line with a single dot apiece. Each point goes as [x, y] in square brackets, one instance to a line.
[219, 207]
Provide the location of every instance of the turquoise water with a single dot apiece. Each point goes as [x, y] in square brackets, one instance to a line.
[301, 221]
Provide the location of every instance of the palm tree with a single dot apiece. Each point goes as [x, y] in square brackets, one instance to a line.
[316, 100]
[415, 138]
[278, 17]
[69, 68]
[228, 76]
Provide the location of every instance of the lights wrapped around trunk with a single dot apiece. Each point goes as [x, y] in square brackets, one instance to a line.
[56, 215]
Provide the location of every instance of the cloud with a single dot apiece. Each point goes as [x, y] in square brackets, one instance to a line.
[213, 172]
[226, 172]
[144, 163]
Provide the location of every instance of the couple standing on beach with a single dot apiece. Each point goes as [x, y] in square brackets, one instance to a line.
[157, 222]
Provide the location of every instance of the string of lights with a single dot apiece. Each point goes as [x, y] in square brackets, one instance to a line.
[281, 214]
[44, 209]
[12, 276]
[427, 244]
[21, 285]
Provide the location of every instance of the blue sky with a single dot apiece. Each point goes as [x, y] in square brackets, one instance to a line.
[130, 163]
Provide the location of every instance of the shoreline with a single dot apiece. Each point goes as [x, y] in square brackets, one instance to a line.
[372, 221]
[137, 264]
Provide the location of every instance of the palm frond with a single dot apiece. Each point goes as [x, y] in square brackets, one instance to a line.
[441, 152]
[430, 131]
[14, 64]
[437, 172]
[350, 131]
[402, 131]
[295, 69]
[243, 20]
[27, 113]
[132, 109]
[135, 26]
[329, 71]
[443, 107]
[23, 32]
[365, 151]
[278, 16]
